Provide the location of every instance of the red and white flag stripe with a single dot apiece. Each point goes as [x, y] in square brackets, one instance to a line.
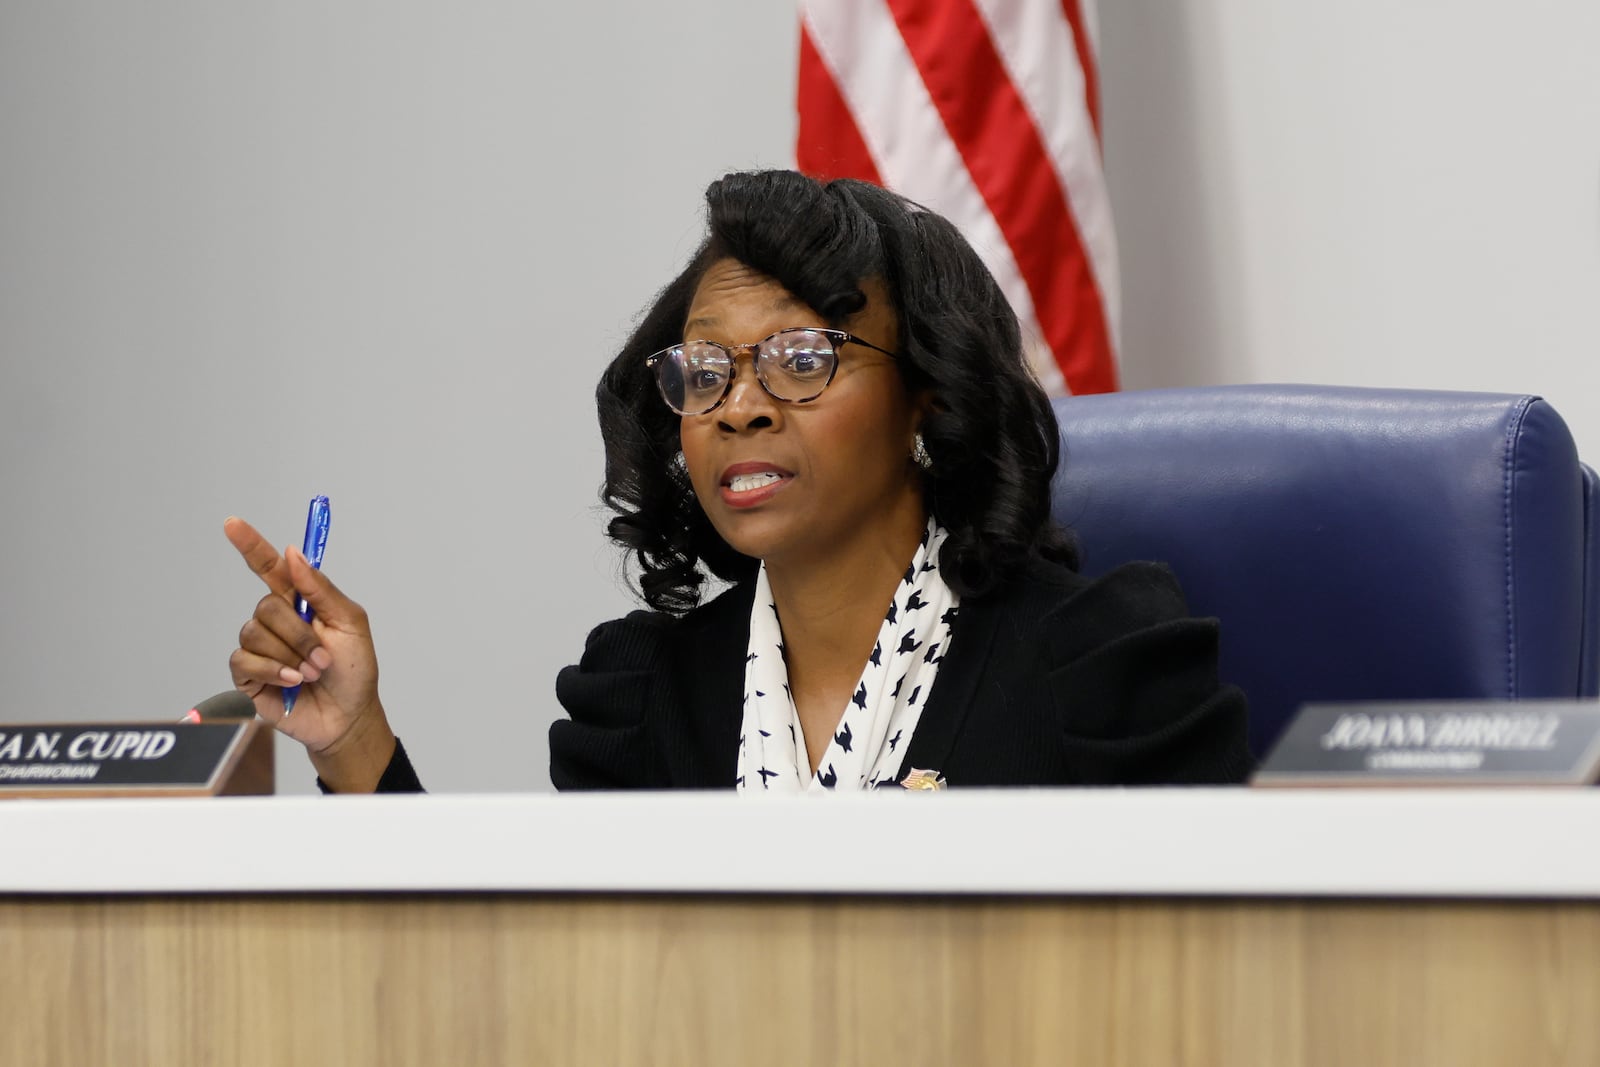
[986, 111]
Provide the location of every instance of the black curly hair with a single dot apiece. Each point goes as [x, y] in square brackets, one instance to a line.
[990, 434]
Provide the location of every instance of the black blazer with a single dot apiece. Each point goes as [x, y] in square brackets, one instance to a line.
[1051, 679]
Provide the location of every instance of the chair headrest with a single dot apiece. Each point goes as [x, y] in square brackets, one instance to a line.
[1355, 543]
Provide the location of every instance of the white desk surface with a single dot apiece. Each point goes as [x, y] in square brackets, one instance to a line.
[1153, 842]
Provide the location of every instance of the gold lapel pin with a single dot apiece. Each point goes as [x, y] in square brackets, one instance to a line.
[924, 780]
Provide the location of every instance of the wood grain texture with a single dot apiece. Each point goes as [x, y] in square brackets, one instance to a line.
[711, 981]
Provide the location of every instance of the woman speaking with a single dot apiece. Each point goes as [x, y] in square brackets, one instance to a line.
[829, 410]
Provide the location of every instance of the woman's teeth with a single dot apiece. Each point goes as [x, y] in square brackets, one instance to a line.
[743, 483]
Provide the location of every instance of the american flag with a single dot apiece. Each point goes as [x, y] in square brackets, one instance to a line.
[986, 111]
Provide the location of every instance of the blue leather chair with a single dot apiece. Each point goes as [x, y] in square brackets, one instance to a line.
[1357, 544]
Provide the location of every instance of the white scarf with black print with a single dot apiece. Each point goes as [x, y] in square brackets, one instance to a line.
[876, 729]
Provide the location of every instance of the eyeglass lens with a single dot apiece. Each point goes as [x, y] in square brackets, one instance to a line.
[793, 365]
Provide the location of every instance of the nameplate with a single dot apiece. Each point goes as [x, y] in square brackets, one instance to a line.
[132, 759]
[1542, 742]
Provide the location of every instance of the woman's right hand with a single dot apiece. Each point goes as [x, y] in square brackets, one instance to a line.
[337, 714]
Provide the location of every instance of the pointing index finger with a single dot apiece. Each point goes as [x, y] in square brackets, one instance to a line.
[259, 554]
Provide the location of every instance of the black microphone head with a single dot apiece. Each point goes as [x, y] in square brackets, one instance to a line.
[229, 704]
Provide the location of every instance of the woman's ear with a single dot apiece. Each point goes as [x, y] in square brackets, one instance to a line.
[923, 404]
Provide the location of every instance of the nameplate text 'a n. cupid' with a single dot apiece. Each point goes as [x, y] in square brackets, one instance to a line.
[135, 759]
[1439, 743]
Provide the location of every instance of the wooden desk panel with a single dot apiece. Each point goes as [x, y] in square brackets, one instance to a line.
[705, 981]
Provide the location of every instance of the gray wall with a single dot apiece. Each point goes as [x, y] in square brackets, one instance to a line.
[1370, 193]
[253, 252]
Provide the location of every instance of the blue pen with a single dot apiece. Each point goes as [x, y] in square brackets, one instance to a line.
[318, 518]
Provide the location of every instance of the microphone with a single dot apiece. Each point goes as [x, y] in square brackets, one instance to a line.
[228, 704]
